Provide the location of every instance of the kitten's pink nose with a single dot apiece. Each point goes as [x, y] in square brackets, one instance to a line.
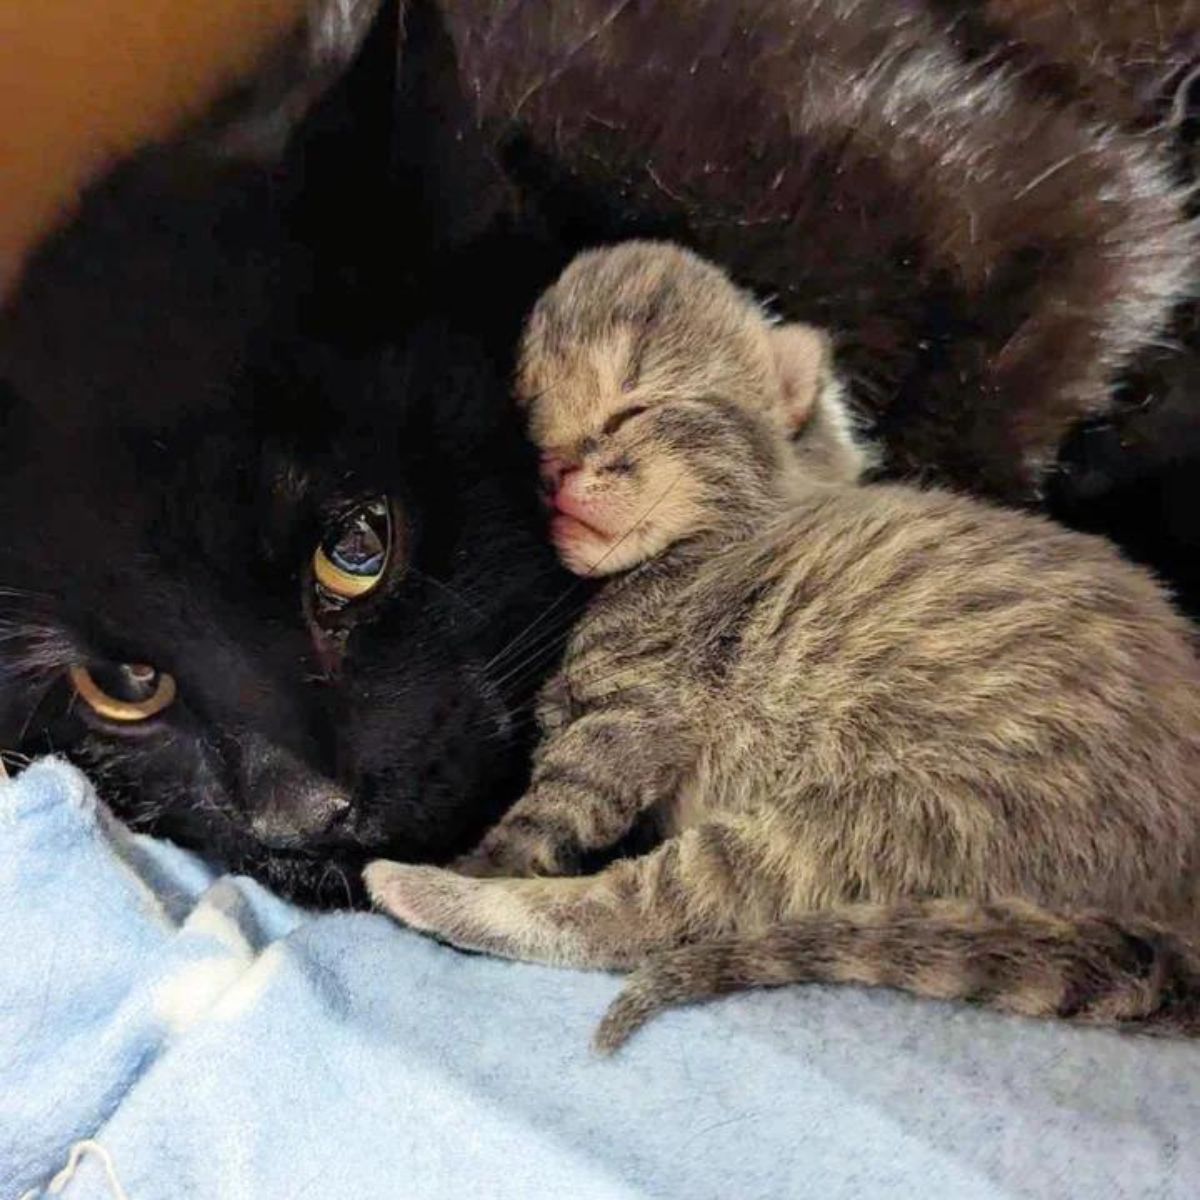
[554, 469]
[576, 497]
[572, 489]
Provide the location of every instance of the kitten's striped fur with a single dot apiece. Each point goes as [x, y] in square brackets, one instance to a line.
[889, 736]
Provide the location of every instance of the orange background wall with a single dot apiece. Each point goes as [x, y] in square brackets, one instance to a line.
[85, 81]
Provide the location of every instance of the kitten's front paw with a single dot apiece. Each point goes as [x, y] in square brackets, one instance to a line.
[512, 918]
[465, 912]
[424, 898]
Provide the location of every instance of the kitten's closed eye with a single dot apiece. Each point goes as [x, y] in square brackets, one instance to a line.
[620, 418]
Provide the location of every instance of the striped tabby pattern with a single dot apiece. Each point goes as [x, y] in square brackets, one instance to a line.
[885, 735]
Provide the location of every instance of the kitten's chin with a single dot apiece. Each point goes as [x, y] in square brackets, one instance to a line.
[585, 550]
[581, 547]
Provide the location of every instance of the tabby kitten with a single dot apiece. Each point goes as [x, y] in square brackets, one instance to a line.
[888, 736]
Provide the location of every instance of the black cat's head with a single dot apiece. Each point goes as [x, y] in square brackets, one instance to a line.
[285, 593]
[289, 634]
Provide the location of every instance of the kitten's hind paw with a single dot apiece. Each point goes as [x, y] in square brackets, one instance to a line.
[504, 857]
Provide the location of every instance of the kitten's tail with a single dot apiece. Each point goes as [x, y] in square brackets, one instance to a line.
[1010, 955]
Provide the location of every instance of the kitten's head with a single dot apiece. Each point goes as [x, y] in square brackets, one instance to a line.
[665, 404]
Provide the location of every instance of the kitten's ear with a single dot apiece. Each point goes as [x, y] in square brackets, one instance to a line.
[814, 407]
[803, 362]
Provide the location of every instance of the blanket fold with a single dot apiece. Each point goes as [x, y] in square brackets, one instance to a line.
[190, 1035]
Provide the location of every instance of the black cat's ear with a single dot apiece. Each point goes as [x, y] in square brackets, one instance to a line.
[444, 160]
[257, 120]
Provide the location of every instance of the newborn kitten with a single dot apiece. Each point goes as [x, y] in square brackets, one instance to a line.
[889, 736]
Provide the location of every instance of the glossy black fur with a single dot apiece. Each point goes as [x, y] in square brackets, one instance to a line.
[1134, 473]
[989, 260]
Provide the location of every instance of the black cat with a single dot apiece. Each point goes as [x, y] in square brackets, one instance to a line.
[272, 565]
[329, 586]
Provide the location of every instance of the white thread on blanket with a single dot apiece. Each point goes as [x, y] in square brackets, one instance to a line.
[60, 1181]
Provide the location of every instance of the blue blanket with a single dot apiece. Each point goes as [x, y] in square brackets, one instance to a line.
[168, 1033]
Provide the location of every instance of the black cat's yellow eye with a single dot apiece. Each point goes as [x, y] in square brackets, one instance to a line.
[124, 692]
[351, 560]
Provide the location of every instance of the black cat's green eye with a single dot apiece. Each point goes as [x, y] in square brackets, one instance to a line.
[353, 556]
[123, 692]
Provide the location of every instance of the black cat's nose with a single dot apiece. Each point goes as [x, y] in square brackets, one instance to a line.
[292, 813]
[288, 805]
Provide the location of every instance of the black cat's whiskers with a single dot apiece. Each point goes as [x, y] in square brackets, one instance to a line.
[518, 641]
[39, 691]
[528, 655]
[455, 594]
[516, 689]
[333, 871]
[31, 648]
[554, 625]
[34, 652]
[549, 641]
[8, 592]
